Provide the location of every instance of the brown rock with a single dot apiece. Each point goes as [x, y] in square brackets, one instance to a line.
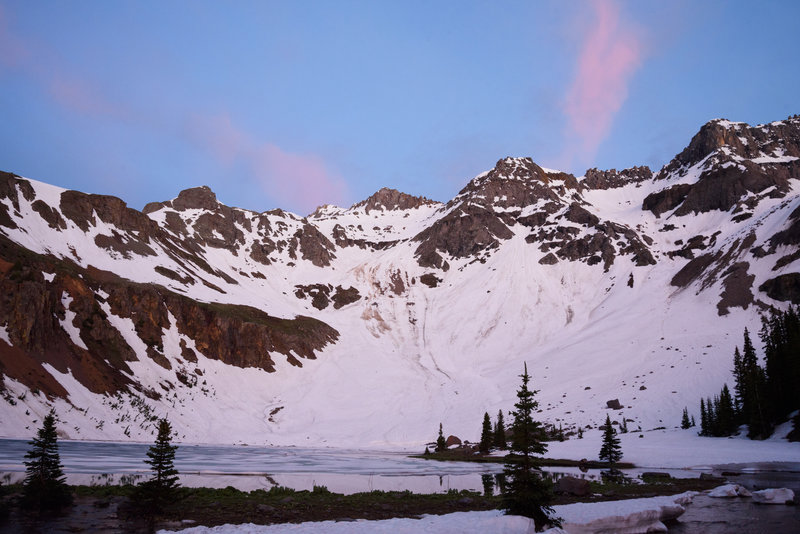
[572, 486]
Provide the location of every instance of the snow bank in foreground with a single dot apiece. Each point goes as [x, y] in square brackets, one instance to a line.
[457, 523]
[627, 517]
[773, 496]
[729, 490]
[623, 517]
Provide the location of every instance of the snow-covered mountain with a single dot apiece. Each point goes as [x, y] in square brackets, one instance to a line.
[367, 326]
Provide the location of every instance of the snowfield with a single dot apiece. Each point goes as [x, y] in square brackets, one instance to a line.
[628, 516]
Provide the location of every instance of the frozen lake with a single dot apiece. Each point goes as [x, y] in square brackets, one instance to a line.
[249, 468]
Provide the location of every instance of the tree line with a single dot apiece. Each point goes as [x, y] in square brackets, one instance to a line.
[764, 395]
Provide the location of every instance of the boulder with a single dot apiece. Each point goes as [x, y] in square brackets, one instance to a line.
[614, 404]
[452, 440]
[572, 486]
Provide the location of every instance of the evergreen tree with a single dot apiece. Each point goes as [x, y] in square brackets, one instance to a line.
[45, 484]
[486, 434]
[754, 407]
[500, 432]
[685, 423]
[161, 489]
[693, 423]
[441, 444]
[610, 451]
[738, 385]
[726, 416]
[703, 418]
[526, 492]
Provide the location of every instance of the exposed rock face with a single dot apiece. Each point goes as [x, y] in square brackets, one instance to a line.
[321, 295]
[34, 310]
[464, 232]
[611, 179]
[392, 199]
[785, 287]
[733, 162]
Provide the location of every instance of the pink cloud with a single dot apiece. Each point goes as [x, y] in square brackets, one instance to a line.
[610, 54]
[79, 96]
[12, 50]
[302, 181]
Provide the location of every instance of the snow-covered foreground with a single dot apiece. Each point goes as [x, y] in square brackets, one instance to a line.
[633, 515]
[683, 449]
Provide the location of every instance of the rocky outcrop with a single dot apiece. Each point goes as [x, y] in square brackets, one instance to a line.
[38, 314]
[733, 162]
[612, 179]
[386, 199]
[785, 288]
[323, 294]
[465, 232]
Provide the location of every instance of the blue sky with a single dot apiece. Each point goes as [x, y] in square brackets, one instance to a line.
[293, 104]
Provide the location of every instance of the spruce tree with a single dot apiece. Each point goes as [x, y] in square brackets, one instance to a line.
[441, 444]
[500, 432]
[703, 418]
[755, 402]
[161, 489]
[486, 434]
[45, 485]
[526, 492]
[726, 417]
[610, 451]
[685, 423]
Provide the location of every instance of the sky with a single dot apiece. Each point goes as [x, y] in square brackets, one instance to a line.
[298, 103]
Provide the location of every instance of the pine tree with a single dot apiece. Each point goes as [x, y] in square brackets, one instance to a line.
[45, 485]
[526, 492]
[500, 432]
[610, 451]
[685, 423]
[441, 444]
[161, 489]
[486, 434]
[693, 423]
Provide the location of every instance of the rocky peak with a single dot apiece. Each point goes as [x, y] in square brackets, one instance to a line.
[732, 165]
[516, 183]
[391, 199]
[195, 198]
[734, 141]
[612, 179]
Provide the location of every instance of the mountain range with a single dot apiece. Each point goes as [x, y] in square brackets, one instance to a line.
[623, 291]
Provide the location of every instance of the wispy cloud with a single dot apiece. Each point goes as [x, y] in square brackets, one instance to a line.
[611, 52]
[302, 181]
[12, 50]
